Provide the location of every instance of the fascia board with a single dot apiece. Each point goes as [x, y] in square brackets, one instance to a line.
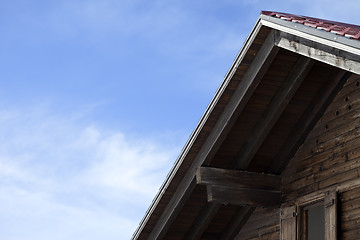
[320, 36]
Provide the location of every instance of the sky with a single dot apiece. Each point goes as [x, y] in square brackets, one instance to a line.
[98, 97]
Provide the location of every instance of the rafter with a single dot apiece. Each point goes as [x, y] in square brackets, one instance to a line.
[240, 218]
[273, 112]
[203, 220]
[227, 119]
[312, 114]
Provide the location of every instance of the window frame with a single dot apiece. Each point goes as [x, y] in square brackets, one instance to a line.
[292, 216]
[303, 219]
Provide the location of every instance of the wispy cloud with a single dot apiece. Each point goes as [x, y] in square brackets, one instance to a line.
[61, 169]
[78, 181]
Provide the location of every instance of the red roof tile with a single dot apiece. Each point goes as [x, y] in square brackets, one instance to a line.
[342, 29]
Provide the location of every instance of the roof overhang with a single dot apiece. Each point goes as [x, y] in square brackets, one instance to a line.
[320, 45]
[272, 42]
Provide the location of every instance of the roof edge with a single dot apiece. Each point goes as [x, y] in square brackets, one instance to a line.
[188, 145]
[343, 43]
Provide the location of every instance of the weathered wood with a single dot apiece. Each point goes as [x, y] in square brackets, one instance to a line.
[237, 179]
[268, 233]
[351, 235]
[339, 134]
[263, 219]
[320, 52]
[346, 226]
[236, 196]
[288, 223]
[273, 112]
[331, 216]
[319, 164]
[325, 177]
[237, 103]
[306, 123]
[233, 181]
[240, 218]
[240, 98]
[170, 213]
[348, 196]
[348, 95]
[203, 220]
[350, 215]
[330, 183]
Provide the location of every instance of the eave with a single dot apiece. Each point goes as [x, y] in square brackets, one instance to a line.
[270, 40]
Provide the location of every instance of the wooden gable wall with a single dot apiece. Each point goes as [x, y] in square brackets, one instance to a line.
[329, 159]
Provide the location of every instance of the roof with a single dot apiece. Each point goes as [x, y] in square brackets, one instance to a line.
[342, 29]
[279, 85]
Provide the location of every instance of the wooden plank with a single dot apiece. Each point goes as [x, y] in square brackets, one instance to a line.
[240, 218]
[323, 53]
[237, 179]
[339, 172]
[227, 119]
[348, 95]
[239, 197]
[269, 118]
[346, 226]
[314, 35]
[203, 220]
[343, 153]
[240, 98]
[351, 235]
[273, 112]
[277, 106]
[348, 196]
[288, 223]
[350, 215]
[262, 218]
[331, 216]
[308, 120]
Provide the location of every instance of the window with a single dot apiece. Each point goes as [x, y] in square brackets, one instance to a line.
[311, 218]
[313, 222]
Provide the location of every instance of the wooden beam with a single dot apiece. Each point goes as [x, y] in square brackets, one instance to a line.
[240, 218]
[271, 115]
[273, 112]
[317, 51]
[203, 220]
[243, 196]
[239, 100]
[227, 119]
[308, 120]
[169, 214]
[237, 179]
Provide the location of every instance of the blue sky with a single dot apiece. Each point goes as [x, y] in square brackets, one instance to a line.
[97, 98]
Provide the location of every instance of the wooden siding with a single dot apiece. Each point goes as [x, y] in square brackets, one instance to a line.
[329, 157]
[263, 224]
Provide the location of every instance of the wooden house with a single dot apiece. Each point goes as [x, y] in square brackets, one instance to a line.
[276, 155]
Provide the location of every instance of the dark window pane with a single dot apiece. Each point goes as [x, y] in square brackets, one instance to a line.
[316, 223]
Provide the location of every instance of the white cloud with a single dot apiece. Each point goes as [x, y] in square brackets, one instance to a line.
[27, 215]
[80, 182]
[124, 165]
